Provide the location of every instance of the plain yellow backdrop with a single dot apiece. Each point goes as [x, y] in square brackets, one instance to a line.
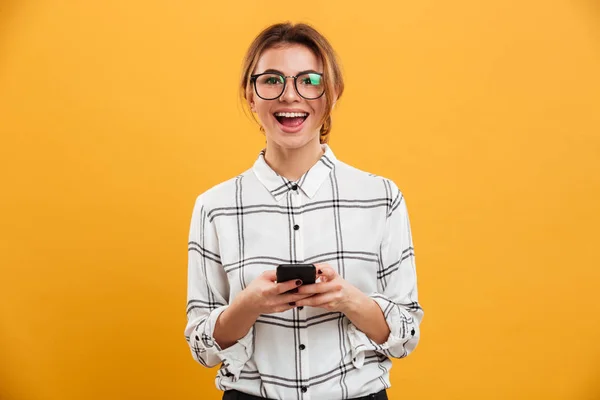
[115, 115]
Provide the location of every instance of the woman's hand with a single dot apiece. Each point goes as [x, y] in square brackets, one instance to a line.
[265, 296]
[332, 293]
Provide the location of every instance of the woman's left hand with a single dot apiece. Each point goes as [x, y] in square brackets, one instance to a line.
[332, 293]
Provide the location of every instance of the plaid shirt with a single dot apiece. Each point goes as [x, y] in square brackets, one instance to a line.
[336, 214]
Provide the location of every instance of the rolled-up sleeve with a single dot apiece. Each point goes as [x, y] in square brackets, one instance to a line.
[397, 289]
[207, 298]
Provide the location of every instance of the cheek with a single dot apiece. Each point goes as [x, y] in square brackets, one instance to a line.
[319, 108]
[263, 112]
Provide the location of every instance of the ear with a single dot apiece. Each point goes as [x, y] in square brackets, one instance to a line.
[251, 103]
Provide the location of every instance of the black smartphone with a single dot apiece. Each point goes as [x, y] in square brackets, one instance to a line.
[306, 272]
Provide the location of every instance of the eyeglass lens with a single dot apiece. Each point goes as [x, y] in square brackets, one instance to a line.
[309, 85]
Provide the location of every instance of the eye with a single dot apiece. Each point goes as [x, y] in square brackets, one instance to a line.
[310, 79]
[271, 80]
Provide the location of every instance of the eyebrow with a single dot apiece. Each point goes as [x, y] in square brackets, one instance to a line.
[274, 71]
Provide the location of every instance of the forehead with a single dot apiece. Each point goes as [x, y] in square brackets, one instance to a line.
[288, 59]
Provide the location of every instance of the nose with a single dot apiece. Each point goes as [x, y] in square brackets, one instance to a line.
[289, 94]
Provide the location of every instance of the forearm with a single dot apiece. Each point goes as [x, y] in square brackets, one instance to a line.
[233, 324]
[367, 316]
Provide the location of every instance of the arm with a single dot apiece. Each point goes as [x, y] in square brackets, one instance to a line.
[263, 296]
[386, 321]
[207, 294]
[217, 331]
[367, 316]
[397, 295]
[334, 293]
[233, 324]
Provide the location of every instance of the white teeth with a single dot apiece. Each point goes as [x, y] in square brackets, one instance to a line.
[290, 114]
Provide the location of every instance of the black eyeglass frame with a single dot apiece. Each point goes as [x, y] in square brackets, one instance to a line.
[254, 77]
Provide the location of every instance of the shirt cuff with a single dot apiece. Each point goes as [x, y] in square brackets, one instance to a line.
[401, 327]
[235, 356]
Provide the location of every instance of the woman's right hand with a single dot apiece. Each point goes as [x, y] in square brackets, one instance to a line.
[262, 296]
[265, 295]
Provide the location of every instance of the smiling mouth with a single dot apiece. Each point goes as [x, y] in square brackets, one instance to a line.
[291, 120]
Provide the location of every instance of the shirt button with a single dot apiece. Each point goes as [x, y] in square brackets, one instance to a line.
[302, 347]
[294, 187]
[296, 227]
[304, 389]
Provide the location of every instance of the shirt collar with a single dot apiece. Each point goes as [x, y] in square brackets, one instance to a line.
[308, 183]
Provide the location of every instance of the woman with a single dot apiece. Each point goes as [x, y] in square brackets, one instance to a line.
[332, 339]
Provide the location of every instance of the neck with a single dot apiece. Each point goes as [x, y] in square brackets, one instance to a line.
[293, 163]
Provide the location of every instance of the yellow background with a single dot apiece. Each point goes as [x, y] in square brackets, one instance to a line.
[115, 115]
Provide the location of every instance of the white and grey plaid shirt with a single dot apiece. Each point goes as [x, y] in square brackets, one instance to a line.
[336, 214]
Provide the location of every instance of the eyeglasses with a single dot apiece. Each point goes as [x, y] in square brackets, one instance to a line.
[270, 85]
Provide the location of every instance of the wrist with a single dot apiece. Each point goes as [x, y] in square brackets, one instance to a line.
[244, 306]
[357, 303]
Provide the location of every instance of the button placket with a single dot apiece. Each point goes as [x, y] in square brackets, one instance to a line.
[297, 201]
[298, 228]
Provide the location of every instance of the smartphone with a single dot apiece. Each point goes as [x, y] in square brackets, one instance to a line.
[306, 272]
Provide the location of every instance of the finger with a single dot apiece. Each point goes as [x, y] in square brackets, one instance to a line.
[321, 287]
[270, 275]
[318, 269]
[327, 272]
[291, 298]
[281, 308]
[283, 287]
[317, 300]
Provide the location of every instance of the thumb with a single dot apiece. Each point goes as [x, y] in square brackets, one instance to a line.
[326, 272]
[270, 275]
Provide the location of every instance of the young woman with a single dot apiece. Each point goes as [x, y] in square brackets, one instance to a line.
[332, 339]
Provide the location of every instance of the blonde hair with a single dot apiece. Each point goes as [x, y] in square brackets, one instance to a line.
[287, 33]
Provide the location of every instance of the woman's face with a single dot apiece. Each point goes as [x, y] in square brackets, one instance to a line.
[293, 131]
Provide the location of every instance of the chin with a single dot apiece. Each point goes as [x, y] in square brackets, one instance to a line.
[293, 141]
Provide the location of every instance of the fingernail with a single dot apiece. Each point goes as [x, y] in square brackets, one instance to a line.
[298, 282]
[293, 303]
[295, 290]
[320, 272]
